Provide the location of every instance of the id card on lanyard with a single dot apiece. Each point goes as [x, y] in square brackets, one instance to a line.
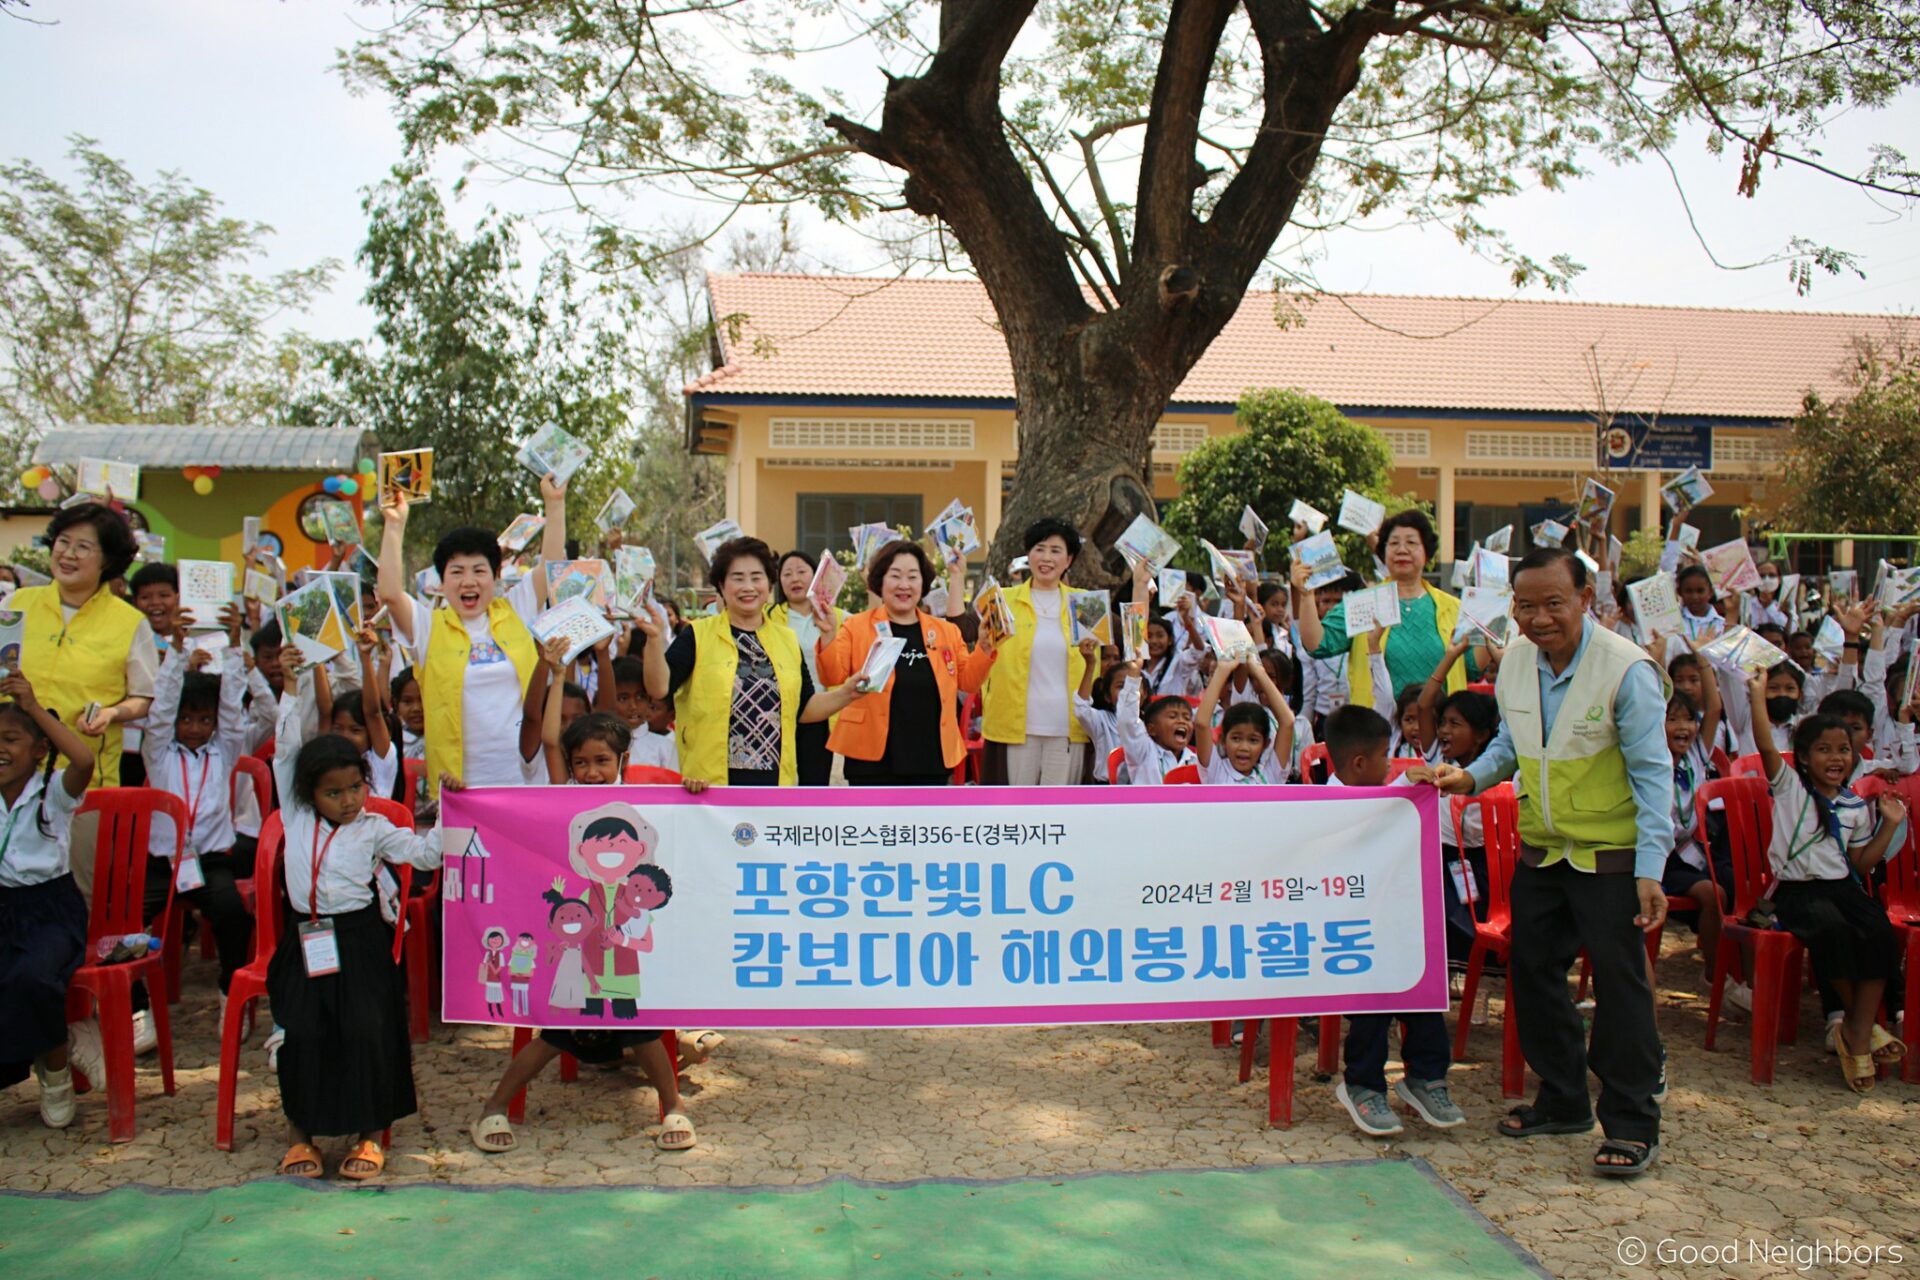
[188, 876]
[319, 949]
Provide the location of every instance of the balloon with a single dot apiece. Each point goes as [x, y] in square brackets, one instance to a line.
[366, 466]
[330, 485]
[190, 473]
[203, 485]
[50, 489]
[212, 473]
[368, 484]
[30, 477]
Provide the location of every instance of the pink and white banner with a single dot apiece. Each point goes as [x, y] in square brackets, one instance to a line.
[839, 907]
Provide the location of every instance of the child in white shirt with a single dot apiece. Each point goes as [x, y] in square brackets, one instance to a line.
[1250, 750]
[1154, 744]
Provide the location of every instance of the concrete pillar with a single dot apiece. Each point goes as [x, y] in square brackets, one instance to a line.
[1443, 506]
[990, 505]
[1650, 512]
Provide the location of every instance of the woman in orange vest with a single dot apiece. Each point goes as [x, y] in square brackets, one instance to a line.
[82, 646]
[908, 734]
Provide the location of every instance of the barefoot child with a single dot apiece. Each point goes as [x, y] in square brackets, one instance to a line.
[592, 752]
[43, 919]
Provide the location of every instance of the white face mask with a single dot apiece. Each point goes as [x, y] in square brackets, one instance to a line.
[1769, 584]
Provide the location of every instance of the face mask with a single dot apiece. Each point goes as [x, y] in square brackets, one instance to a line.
[1769, 584]
[1781, 710]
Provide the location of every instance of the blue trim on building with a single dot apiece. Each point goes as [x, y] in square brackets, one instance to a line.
[719, 399]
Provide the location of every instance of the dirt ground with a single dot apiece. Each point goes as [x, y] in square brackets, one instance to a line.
[1758, 1171]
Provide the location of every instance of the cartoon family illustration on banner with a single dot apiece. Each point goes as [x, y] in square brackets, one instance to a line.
[581, 939]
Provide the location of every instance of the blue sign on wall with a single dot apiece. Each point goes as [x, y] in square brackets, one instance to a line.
[1634, 444]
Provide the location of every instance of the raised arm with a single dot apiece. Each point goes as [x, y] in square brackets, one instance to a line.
[79, 770]
[1276, 702]
[1434, 691]
[605, 696]
[533, 709]
[1209, 702]
[653, 654]
[553, 538]
[391, 582]
[379, 736]
[1770, 758]
[1306, 614]
[551, 655]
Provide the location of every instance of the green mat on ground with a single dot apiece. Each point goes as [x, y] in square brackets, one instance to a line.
[1360, 1218]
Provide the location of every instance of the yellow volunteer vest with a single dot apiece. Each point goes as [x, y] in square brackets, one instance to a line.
[703, 708]
[1446, 615]
[1574, 795]
[70, 664]
[444, 678]
[1004, 696]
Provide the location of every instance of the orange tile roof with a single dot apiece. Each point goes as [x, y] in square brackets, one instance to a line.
[844, 336]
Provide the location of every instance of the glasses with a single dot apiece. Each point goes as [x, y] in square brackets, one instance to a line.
[70, 547]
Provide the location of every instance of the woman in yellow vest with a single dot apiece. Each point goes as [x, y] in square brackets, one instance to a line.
[796, 611]
[475, 656]
[739, 684]
[81, 645]
[1027, 701]
[1427, 617]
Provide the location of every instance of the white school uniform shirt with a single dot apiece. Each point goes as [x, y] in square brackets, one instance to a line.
[1801, 848]
[357, 849]
[263, 712]
[413, 746]
[383, 772]
[492, 701]
[1147, 761]
[202, 779]
[1683, 810]
[29, 855]
[1101, 732]
[656, 749]
[1049, 704]
[1759, 615]
[1219, 771]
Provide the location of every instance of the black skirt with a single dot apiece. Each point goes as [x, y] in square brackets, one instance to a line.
[597, 1048]
[347, 1065]
[43, 939]
[1844, 928]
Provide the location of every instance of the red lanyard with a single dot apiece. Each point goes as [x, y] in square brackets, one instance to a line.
[193, 798]
[319, 860]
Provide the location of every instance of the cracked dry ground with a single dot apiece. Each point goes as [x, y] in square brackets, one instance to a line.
[1803, 1159]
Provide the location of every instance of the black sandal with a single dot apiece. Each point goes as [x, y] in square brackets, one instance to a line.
[1533, 1121]
[1642, 1155]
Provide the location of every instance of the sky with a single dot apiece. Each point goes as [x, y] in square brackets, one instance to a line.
[238, 96]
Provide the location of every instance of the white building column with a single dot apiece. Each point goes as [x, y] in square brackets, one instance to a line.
[1443, 505]
[1650, 501]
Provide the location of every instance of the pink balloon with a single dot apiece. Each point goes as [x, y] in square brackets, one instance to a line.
[50, 489]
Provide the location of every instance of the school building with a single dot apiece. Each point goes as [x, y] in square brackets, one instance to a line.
[838, 400]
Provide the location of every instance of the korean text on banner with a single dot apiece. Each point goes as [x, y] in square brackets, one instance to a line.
[759, 907]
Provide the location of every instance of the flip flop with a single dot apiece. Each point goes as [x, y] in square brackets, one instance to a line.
[493, 1126]
[368, 1151]
[676, 1133]
[302, 1153]
[1533, 1121]
[1641, 1154]
[697, 1046]
[1887, 1049]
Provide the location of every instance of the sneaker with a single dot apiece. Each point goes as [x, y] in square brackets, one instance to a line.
[145, 1038]
[1738, 995]
[56, 1096]
[275, 1038]
[1660, 1088]
[1369, 1109]
[1432, 1101]
[1479, 1018]
[84, 1051]
[1833, 1032]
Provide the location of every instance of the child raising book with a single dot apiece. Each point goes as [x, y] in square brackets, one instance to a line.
[1154, 742]
[1250, 749]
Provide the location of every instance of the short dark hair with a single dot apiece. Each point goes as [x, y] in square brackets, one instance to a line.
[1353, 728]
[199, 691]
[1479, 710]
[319, 757]
[1694, 571]
[347, 702]
[608, 828]
[1788, 669]
[732, 549]
[1767, 629]
[1415, 519]
[1165, 702]
[1247, 713]
[883, 560]
[398, 685]
[1052, 527]
[1683, 662]
[1268, 589]
[629, 670]
[1683, 701]
[117, 544]
[154, 575]
[658, 874]
[467, 541]
[803, 557]
[1546, 558]
[1847, 702]
[568, 689]
[598, 726]
[270, 637]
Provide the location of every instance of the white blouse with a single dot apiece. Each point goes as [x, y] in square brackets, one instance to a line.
[27, 854]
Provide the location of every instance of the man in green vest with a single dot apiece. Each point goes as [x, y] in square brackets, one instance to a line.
[1583, 734]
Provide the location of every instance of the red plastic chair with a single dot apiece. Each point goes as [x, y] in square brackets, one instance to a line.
[1182, 775]
[248, 772]
[1481, 686]
[650, 775]
[969, 766]
[1901, 895]
[1718, 761]
[1400, 764]
[1777, 954]
[250, 982]
[119, 890]
[1115, 758]
[1750, 767]
[1280, 1054]
[417, 934]
[1500, 824]
[570, 1071]
[415, 773]
[1315, 756]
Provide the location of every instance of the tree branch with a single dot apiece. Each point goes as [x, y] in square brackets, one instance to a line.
[1085, 237]
[1108, 214]
[1165, 204]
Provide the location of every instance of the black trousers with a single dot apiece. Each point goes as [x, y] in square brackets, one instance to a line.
[1424, 1050]
[1557, 910]
[815, 764]
[218, 900]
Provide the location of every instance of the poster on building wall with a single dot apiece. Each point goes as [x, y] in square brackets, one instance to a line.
[1662, 444]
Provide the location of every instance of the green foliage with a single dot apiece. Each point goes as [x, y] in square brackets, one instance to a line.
[1640, 554]
[1851, 467]
[1290, 446]
[128, 302]
[461, 363]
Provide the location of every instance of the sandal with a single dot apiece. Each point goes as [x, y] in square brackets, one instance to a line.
[367, 1151]
[697, 1046]
[493, 1126]
[1640, 1157]
[302, 1153]
[1534, 1121]
[676, 1133]
[1887, 1049]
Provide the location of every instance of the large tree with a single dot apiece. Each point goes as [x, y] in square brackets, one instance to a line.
[1117, 172]
[1850, 468]
[128, 301]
